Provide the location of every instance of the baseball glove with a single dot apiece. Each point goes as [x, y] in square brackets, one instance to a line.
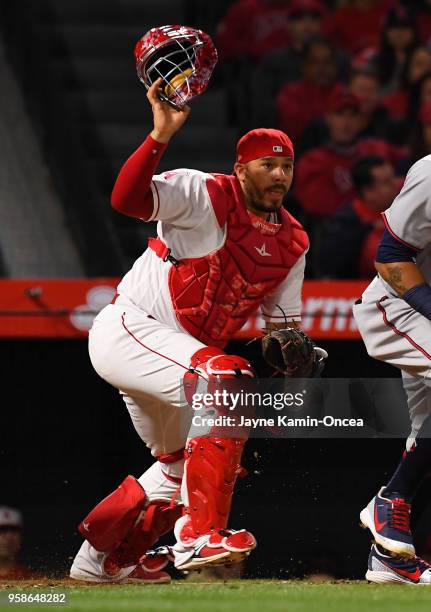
[293, 353]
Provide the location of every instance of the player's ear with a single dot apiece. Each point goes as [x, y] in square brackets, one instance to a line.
[239, 170]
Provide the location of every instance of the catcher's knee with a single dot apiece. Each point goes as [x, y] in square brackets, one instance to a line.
[211, 371]
[212, 363]
[210, 366]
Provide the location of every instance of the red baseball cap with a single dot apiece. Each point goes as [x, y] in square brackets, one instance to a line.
[342, 100]
[263, 142]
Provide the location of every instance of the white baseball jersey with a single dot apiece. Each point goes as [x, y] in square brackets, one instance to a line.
[188, 223]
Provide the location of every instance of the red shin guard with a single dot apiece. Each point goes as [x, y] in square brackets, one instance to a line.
[106, 526]
[211, 471]
[125, 525]
[158, 518]
[213, 462]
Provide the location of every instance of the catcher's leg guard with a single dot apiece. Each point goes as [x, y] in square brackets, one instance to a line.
[158, 518]
[211, 468]
[125, 524]
[210, 474]
[106, 526]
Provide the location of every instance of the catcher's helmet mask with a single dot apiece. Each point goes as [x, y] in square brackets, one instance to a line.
[169, 65]
[176, 51]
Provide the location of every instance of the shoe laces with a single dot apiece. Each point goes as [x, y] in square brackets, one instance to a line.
[400, 515]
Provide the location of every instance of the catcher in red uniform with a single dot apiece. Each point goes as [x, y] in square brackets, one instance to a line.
[225, 247]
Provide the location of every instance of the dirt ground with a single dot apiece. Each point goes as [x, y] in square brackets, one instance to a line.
[49, 583]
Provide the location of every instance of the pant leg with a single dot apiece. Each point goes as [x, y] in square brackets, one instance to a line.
[394, 332]
[146, 361]
[140, 356]
[418, 393]
[161, 426]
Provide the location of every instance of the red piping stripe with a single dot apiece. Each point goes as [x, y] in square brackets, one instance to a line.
[397, 331]
[152, 350]
[390, 230]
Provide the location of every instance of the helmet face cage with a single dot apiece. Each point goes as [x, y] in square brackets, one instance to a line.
[175, 60]
[183, 57]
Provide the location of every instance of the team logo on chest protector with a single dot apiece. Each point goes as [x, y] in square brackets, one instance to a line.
[213, 296]
[262, 251]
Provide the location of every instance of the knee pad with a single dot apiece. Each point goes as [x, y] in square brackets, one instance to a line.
[212, 365]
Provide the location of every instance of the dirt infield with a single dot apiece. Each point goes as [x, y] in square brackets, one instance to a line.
[51, 583]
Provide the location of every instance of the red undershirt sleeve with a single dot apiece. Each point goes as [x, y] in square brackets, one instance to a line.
[132, 193]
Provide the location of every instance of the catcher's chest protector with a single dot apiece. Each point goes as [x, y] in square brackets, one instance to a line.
[213, 296]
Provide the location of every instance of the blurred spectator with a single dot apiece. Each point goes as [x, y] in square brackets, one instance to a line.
[405, 117]
[356, 229]
[284, 65]
[252, 28]
[419, 64]
[398, 102]
[373, 116]
[398, 39]
[420, 138]
[10, 547]
[249, 30]
[322, 176]
[357, 25]
[299, 102]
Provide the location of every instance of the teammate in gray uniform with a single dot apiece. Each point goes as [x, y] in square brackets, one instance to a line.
[394, 319]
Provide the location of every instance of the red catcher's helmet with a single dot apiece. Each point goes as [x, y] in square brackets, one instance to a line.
[182, 56]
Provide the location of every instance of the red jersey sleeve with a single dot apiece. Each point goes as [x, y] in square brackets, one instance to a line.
[132, 194]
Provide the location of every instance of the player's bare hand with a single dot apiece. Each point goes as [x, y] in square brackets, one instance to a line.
[167, 120]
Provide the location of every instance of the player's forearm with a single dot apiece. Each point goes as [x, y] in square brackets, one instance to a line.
[132, 194]
[401, 276]
[408, 281]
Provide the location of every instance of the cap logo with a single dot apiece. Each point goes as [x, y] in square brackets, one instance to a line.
[277, 149]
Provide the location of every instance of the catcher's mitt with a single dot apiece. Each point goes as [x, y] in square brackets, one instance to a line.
[293, 353]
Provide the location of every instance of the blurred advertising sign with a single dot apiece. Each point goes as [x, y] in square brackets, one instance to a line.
[65, 308]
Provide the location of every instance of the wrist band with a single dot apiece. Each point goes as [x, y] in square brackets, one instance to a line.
[419, 298]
